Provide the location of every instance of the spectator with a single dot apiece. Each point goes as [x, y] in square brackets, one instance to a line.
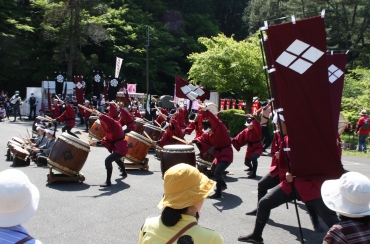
[8, 107]
[19, 199]
[349, 196]
[2, 98]
[2, 113]
[185, 189]
[16, 102]
[363, 129]
[33, 104]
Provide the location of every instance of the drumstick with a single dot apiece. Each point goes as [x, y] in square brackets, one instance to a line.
[179, 139]
[42, 118]
[150, 139]
[48, 117]
[59, 98]
[146, 120]
[29, 136]
[160, 112]
[90, 110]
[88, 139]
[157, 123]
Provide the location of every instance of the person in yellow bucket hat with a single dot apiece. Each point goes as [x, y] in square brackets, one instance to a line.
[185, 189]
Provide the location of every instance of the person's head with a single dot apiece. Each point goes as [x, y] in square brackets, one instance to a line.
[50, 133]
[87, 102]
[19, 198]
[349, 195]
[32, 95]
[249, 123]
[206, 126]
[94, 97]
[193, 117]
[363, 113]
[16, 92]
[2, 107]
[153, 100]
[40, 129]
[166, 125]
[184, 188]
[282, 121]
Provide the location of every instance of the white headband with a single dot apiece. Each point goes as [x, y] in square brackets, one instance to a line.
[49, 131]
[40, 128]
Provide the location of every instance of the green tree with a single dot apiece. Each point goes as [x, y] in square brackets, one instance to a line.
[230, 66]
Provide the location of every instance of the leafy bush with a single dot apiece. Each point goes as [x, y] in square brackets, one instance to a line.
[226, 116]
[236, 125]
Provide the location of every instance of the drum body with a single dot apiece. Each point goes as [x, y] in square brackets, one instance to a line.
[175, 154]
[154, 132]
[121, 99]
[138, 147]
[20, 153]
[68, 154]
[11, 144]
[139, 125]
[92, 119]
[96, 130]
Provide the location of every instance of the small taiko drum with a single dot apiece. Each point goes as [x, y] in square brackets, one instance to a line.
[175, 154]
[20, 153]
[138, 147]
[92, 119]
[154, 132]
[139, 125]
[96, 130]
[68, 154]
[18, 140]
[121, 99]
[12, 143]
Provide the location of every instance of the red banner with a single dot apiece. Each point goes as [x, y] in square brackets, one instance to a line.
[227, 104]
[240, 105]
[233, 103]
[298, 54]
[222, 104]
[186, 90]
[255, 107]
[336, 67]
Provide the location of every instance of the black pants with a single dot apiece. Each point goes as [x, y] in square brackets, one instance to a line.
[276, 197]
[266, 137]
[265, 184]
[68, 129]
[254, 164]
[114, 157]
[33, 108]
[16, 110]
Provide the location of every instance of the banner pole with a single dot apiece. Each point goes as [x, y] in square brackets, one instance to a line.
[270, 85]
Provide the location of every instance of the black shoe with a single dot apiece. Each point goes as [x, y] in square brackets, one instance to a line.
[251, 239]
[215, 196]
[252, 213]
[252, 176]
[224, 187]
[249, 169]
[106, 184]
[123, 174]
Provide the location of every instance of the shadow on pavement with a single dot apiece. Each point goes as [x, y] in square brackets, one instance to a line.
[139, 172]
[246, 177]
[113, 189]
[68, 186]
[228, 201]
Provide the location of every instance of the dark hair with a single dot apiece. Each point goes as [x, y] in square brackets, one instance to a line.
[206, 124]
[364, 220]
[171, 216]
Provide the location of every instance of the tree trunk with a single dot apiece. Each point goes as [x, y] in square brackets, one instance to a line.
[74, 29]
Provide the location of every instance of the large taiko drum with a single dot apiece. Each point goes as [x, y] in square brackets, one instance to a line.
[96, 130]
[68, 154]
[205, 160]
[154, 132]
[92, 119]
[138, 147]
[139, 125]
[121, 99]
[175, 154]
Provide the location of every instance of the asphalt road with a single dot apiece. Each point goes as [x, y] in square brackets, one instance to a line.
[87, 213]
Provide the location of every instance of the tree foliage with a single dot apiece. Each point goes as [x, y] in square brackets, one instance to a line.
[230, 66]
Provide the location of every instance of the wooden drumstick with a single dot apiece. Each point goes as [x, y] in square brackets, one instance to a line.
[150, 139]
[88, 139]
[146, 120]
[179, 139]
[59, 98]
[42, 118]
[157, 123]
[48, 117]
[29, 136]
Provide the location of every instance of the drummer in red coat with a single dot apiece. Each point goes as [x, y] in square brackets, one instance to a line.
[162, 116]
[69, 117]
[135, 112]
[215, 137]
[195, 124]
[86, 114]
[126, 119]
[171, 129]
[252, 136]
[113, 112]
[55, 109]
[181, 117]
[115, 143]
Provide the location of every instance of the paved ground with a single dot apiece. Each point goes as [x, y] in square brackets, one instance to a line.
[86, 213]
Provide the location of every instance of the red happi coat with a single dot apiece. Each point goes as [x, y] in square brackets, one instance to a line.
[86, 113]
[274, 168]
[167, 138]
[56, 112]
[68, 116]
[137, 114]
[250, 137]
[127, 119]
[181, 118]
[113, 112]
[197, 126]
[219, 138]
[114, 137]
[307, 189]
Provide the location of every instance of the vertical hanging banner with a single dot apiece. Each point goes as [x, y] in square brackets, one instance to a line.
[336, 67]
[97, 83]
[59, 82]
[222, 104]
[118, 66]
[240, 104]
[301, 74]
[227, 104]
[113, 87]
[80, 89]
[255, 106]
[234, 103]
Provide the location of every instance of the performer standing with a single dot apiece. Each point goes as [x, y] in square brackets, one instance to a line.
[16, 102]
[115, 143]
[153, 110]
[126, 119]
[55, 109]
[251, 136]
[265, 117]
[195, 124]
[33, 104]
[68, 116]
[217, 136]
[86, 115]
[171, 129]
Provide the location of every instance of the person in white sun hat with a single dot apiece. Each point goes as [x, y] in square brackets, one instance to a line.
[349, 196]
[19, 200]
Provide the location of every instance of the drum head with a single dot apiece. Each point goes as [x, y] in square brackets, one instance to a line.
[178, 147]
[94, 117]
[68, 138]
[165, 101]
[21, 150]
[153, 127]
[139, 137]
[212, 107]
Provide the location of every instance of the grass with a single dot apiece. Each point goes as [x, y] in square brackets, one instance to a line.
[355, 153]
[352, 139]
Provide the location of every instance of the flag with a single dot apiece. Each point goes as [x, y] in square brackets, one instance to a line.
[59, 82]
[79, 89]
[65, 91]
[118, 66]
[125, 91]
[298, 55]
[186, 90]
[336, 67]
[105, 89]
[113, 88]
[49, 99]
[147, 114]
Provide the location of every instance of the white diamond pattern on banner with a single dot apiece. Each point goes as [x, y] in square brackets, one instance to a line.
[304, 58]
[334, 73]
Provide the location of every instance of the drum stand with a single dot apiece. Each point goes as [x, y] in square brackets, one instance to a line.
[205, 167]
[133, 165]
[51, 177]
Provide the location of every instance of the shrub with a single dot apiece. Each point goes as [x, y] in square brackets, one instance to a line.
[226, 116]
[236, 125]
